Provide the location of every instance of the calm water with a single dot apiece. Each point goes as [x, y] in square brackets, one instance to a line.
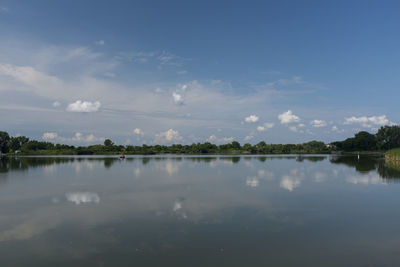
[199, 211]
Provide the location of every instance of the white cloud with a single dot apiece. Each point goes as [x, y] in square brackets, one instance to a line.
[212, 138]
[3, 9]
[168, 136]
[318, 123]
[100, 42]
[368, 122]
[82, 197]
[336, 129]
[288, 117]
[178, 98]
[77, 138]
[216, 140]
[265, 126]
[296, 128]
[49, 136]
[138, 131]
[56, 104]
[260, 128]
[249, 137]
[251, 119]
[83, 106]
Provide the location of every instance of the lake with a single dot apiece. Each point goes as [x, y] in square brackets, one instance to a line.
[284, 210]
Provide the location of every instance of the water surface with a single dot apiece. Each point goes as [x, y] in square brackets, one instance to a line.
[199, 211]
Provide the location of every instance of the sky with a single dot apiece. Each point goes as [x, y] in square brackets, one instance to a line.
[163, 72]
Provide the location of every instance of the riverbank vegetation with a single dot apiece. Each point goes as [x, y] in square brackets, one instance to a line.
[393, 157]
[386, 138]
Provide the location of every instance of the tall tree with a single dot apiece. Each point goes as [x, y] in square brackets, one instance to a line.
[388, 137]
[4, 142]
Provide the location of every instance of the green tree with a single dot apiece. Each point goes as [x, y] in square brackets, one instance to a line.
[17, 142]
[365, 141]
[108, 142]
[236, 145]
[388, 137]
[4, 142]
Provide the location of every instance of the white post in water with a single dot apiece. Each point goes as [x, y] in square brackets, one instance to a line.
[358, 156]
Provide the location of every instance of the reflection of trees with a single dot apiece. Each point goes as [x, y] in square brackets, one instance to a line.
[21, 164]
[262, 159]
[231, 159]
[363, 164]
[386, 170]
[389, 170]
[202, 159]
[108, 162]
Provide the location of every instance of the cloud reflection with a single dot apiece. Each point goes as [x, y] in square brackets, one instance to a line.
[252, 182]
[82, 197]
[366, 179]
[293, 180]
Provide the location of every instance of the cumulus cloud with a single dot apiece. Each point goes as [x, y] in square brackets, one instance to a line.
[368, 122]
[288, 117]
[318, 123]
[178, 98]
[77, 138]
[168, 136]
[82, 197]
[251, 119]
[138, 131]
[297, 129]
[336, 129]
[249, 137]
[56, 104]
[265, 126]
[222, 140]
[83, 106]
[49, 136]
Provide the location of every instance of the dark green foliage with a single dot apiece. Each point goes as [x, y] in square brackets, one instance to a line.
[17, 142]
[388, 137]
[4, 142]
[108, 142]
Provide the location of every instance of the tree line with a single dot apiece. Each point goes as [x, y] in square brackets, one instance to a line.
[386, 138]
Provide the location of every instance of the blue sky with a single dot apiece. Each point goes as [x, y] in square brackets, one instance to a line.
[193, 71]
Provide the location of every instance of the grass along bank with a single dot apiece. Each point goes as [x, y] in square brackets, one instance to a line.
[393, 155]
